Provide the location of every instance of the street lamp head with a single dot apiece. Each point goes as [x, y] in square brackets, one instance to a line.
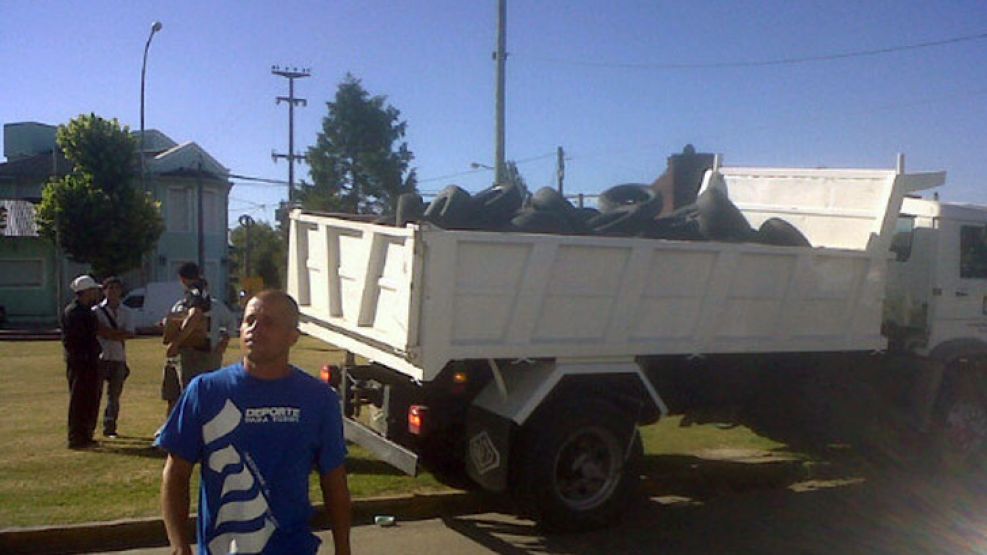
[156, 26]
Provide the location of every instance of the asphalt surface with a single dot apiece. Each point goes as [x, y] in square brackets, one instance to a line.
[733, 502]
[894, 513]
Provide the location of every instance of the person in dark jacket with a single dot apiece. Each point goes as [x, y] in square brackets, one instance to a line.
[79, 327]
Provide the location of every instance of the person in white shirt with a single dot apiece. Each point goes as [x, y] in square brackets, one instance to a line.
[116, 326]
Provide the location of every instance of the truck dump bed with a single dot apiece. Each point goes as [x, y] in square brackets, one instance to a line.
[417, 297]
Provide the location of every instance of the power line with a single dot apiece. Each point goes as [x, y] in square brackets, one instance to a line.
[258, 179]
[483, 169]
[765, 63]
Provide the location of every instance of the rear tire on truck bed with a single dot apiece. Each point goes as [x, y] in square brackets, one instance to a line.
[577, 465]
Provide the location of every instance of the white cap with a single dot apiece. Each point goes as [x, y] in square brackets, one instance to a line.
[83, 283]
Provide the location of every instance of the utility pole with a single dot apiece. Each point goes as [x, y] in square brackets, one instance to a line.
[248, 223]
[290, 74]
[560, 169]
[500, 57]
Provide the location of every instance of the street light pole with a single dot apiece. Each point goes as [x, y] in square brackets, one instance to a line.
[155, 27]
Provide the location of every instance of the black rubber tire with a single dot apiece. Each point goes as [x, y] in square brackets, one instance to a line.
[720, 219]
[675, 227]
[627, 220]
[577, 465]
[586, 213]
[451, 208]
[624, 195]
[542, 221]
[776, 231]
[549, 199]
[960, 420]
[410, 208]
[495, 206]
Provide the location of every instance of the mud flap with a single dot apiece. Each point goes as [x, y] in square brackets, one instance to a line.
[488, 442]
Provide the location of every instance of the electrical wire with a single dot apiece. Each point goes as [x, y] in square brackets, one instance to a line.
[763, 63]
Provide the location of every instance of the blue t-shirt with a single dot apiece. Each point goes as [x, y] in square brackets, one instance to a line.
[257, 442]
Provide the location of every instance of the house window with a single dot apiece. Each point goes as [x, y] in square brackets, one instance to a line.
[973, 252]
[180, 210]
[22, 273]
[212, 214]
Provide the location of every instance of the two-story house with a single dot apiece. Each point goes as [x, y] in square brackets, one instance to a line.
[34, 277]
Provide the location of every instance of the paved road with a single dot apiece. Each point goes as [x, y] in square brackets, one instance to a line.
[899, 514]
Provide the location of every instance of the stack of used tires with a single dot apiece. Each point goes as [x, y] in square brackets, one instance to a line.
[625, 210]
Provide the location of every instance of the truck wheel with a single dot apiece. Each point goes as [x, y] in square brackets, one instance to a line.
[575, 470]
[960, 423]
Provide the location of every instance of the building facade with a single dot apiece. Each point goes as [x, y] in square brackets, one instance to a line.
[184, 178]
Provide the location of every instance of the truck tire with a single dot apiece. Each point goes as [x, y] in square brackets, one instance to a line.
[450, 209]
[960, 420]
[778, 232]
[549, 199]
[495, 206]
[625, 194]
[720, 219]
[577, 465]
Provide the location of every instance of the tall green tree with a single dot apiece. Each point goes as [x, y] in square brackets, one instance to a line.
[359, 163]
[268, 253]
[95, 214]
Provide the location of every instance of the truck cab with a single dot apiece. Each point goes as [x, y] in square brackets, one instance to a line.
[936, 308]
[937, 282]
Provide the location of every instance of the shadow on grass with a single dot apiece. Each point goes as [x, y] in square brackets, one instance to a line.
[130, 446]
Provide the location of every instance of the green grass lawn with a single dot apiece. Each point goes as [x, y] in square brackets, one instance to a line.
[43, 482]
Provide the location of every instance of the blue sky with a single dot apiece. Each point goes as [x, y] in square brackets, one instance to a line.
[584, 75]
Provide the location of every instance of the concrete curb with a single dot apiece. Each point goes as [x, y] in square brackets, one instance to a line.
[712, 477]
[150, 532]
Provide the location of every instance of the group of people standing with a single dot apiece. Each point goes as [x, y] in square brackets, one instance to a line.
[94, 328]
[256, 428]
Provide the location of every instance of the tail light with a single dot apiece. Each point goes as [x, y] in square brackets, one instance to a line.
[417, 415]
[330, 374]
[459, 382]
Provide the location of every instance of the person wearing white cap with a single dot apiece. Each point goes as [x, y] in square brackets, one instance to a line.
[79, 328]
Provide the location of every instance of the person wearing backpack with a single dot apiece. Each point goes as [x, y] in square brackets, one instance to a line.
[116, 326]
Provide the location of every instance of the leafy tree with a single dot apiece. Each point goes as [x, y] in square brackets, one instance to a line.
[355, 165]
[94, 213]
[268, 253]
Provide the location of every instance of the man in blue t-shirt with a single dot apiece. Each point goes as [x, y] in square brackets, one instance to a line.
[257, 429]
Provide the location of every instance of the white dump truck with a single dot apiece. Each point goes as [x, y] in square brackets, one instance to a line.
[525, 361]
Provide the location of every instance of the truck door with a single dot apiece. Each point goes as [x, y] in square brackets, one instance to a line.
[961, 288]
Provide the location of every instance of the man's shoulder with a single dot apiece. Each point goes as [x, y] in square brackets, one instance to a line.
[76, 309]
[224, 374]
[221, 380]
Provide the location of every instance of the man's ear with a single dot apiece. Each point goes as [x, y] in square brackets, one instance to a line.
[295, 335]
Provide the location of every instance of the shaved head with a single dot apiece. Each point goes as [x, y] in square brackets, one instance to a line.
[279, 297]
[267, 333]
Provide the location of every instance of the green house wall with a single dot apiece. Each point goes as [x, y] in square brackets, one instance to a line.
[29, 304]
